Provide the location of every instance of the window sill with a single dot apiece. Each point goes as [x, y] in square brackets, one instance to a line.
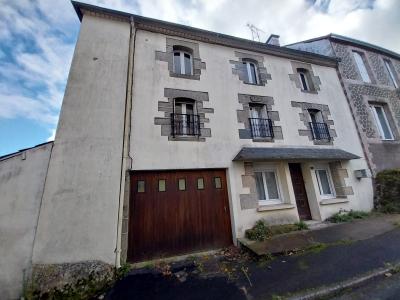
[333, 201]
[272, 207]
[184, 76]
[185, 138]
[255, 84]
[309, 92]
[263, 139]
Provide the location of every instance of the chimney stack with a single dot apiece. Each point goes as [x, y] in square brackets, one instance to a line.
[273, 40]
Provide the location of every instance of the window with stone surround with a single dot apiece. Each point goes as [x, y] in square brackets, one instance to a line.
[251, 71]
[184, 117]
[392, 72]
[183, 61]
[183, 58]
[325, 184]
[305, 80]
[381, 121]
[267, 186]
[361, 65]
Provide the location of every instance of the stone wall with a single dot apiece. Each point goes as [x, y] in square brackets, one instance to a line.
[361, 95]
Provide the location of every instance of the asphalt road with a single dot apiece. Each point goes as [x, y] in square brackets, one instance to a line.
[283, 276]
[385, 288]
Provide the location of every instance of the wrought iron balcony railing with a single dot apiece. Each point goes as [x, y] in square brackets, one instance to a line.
[320, 131]
[261, 128]
[185, 125]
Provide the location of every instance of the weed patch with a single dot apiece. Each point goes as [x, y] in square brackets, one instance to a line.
[261, 231]
[343, 216]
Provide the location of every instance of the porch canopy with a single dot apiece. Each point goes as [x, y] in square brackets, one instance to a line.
[292, 153]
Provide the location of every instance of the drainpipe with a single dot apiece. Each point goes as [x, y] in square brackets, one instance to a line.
[126, 162]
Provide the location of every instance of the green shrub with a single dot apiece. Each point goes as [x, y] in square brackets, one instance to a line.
[343, 216]
[259, 232]
[301, 225]
[388, 191]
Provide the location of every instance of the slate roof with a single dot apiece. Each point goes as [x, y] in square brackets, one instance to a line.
[286, 153]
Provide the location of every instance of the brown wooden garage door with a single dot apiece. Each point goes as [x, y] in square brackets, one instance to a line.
[177, 212]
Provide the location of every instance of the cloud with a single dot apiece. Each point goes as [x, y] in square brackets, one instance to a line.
[38, 37]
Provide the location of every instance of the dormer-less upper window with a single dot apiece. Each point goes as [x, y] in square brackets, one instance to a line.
[392, 72]
[361, 66]
[183, 63]
[250, 73]
[304, 79]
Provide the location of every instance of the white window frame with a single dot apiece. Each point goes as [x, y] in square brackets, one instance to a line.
[362, 68]
[249, 74]
[182, 61]
[378, 122]
[306, 81]
[184, 112]
[390, 70]
[330, 182]
[268, 201]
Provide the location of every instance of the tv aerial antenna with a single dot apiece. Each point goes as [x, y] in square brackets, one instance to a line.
[255, 31]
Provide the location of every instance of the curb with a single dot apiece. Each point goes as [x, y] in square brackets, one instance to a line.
[333, 289]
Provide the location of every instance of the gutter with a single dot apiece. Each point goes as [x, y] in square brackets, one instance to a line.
[126, 162]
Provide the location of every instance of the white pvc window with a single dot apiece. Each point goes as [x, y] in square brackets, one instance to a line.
[183, 63]
[267, 186]
[250, 72]
[390, 70]
[381, 122]
[361, 66]
[304, 81]
[324, 183]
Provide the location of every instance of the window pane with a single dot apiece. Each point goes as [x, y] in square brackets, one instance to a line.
[245, 73]
[217, 181]
[303, 82]
[182, 184]
[260, 186]
[161, 185]
[361, 67]
[389, 68]
[253, 73]
[177, 62]
[140, 186]
[188, 64]
[200, 183]
[325, 189]
[270, 180]
[382, 120]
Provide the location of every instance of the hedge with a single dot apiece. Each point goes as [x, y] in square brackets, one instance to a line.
[388, 191]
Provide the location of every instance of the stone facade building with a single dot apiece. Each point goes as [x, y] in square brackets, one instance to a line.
[370, 76]
[173, 140]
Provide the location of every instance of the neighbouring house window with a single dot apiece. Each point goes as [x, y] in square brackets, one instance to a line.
[391, 71]
[381, 121]
[184, 120]
[140, 186]
[183, 62]
[200, 183]
[217, 182]
[304, 79]
[325, 183]
[161, 185]
[361, 66]
[182, 184]
[267, 187]
[319, 128]
[251, 73]
[260, 125]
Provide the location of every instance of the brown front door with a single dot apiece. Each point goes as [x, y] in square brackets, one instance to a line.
[177, 212]
[300, 192]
